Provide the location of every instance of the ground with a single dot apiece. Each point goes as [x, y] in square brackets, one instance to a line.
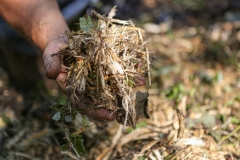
[194, 100]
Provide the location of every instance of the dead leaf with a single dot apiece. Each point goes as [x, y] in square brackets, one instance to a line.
[141, 110]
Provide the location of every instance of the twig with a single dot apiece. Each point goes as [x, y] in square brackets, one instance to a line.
[115, 140]
[181, 123]
[125, 105]
[13, 141]
[71, 144]
[148, 67]
[229, 135]
[19, 154]
[180, 152]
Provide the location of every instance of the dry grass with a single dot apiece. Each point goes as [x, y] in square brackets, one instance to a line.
[103, 63]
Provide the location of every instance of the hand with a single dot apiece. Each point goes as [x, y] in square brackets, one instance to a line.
[52, 63]
[45, 22]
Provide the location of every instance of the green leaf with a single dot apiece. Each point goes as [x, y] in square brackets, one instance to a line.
[230, 102]
[235, 120]
[64, 146]
[62, 101]
[84, 120]
[85, 24]
[78, 143]
[57, 116]
[175, 92]
[5, 118]
[90, 24]
[141, 158]
[141, 124]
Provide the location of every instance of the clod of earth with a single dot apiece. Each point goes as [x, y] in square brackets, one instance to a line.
[105, 63]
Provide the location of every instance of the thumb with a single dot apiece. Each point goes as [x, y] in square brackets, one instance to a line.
[52, 60]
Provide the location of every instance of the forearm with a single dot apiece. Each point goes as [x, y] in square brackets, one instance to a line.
[39, 20]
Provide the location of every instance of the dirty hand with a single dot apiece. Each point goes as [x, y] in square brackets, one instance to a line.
[45, 22]
[52, 63]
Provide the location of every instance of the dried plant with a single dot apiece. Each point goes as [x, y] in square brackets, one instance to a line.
[105, 62]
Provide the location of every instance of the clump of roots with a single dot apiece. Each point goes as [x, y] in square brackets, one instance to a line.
[103, 63]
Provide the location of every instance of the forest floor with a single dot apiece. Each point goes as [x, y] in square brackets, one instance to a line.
[194, 100]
